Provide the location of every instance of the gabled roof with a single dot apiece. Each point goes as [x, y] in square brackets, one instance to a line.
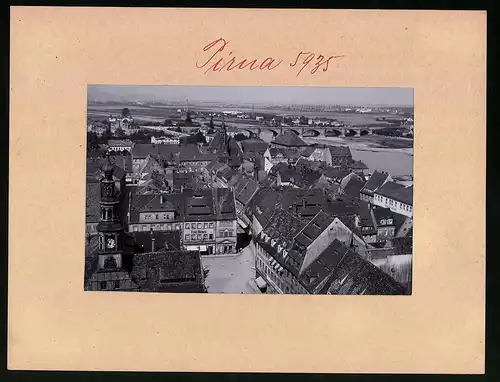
[253, 145]
[353, 186]
[381, 213]
[307, 151]
[339, 270]
[285, 152]
[245, 189]
[289, 139]
[340, 151]
[397, 192]
[313, 229]
[375, 181]
[170, 271]
[358, 165]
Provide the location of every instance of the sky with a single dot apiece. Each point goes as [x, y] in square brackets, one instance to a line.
[254, 94]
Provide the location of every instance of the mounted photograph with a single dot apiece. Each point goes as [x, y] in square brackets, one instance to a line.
[249, 190]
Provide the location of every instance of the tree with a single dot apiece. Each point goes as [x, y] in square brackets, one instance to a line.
[125, 112]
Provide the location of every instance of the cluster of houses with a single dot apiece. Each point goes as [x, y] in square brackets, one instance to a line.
[320, 222]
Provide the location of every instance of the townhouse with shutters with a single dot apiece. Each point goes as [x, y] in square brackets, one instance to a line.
[206, 218]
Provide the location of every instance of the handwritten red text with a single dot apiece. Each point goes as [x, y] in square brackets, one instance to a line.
[219, 60]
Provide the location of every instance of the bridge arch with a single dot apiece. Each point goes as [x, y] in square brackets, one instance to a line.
[333, 132]
[295, 131]
[274, 131]
[311, 133]
[363, 132]
[350, 133]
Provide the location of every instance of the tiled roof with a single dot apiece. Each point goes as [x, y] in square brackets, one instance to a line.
[289, 139]
[289, 153]
[263, 204]
[171, 271]
[397, 192]
[307, 151]
[283, 226]
[142, 150]
[254, 146]
[358, 165]
[375, 181]
[353, 186]
[245, 189]
[300, 176]
[340, 151]
[382, 213]
[192, 153]
[342, 271]
[313, 229]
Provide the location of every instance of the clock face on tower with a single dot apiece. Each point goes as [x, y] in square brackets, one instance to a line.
[110, 243]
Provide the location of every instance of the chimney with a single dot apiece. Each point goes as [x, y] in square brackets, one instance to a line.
[182, 189]
[162, 199]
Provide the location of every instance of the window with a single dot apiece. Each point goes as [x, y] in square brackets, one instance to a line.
[211, 236]
[156, 216]
[205, 236]
[177, 227]
[136, 228]
[193, 225]
[144, 228]
[205, 225]
[382, 221]
[103, 285]
[211, 225]
[230, 249]
[186, 237]
[193, 237]
[187, 225]
[199, 225]
[116, 284]
[199, 236]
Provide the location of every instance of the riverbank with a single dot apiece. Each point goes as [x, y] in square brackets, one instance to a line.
[375, 153]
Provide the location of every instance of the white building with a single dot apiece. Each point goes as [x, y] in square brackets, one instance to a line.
[119, 145]
[396, 197]
[165, 140]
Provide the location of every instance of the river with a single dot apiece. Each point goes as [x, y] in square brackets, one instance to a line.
[397, 162]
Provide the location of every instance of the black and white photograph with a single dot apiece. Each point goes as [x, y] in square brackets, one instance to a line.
[249, 190]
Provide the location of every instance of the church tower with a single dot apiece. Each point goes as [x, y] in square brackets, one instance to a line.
[109, 228]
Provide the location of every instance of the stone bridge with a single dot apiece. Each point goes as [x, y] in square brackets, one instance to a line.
[313, 131]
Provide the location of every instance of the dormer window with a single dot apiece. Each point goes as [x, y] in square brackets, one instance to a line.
[383, 221]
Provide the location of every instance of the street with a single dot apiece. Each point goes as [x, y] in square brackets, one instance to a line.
[231, 274]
